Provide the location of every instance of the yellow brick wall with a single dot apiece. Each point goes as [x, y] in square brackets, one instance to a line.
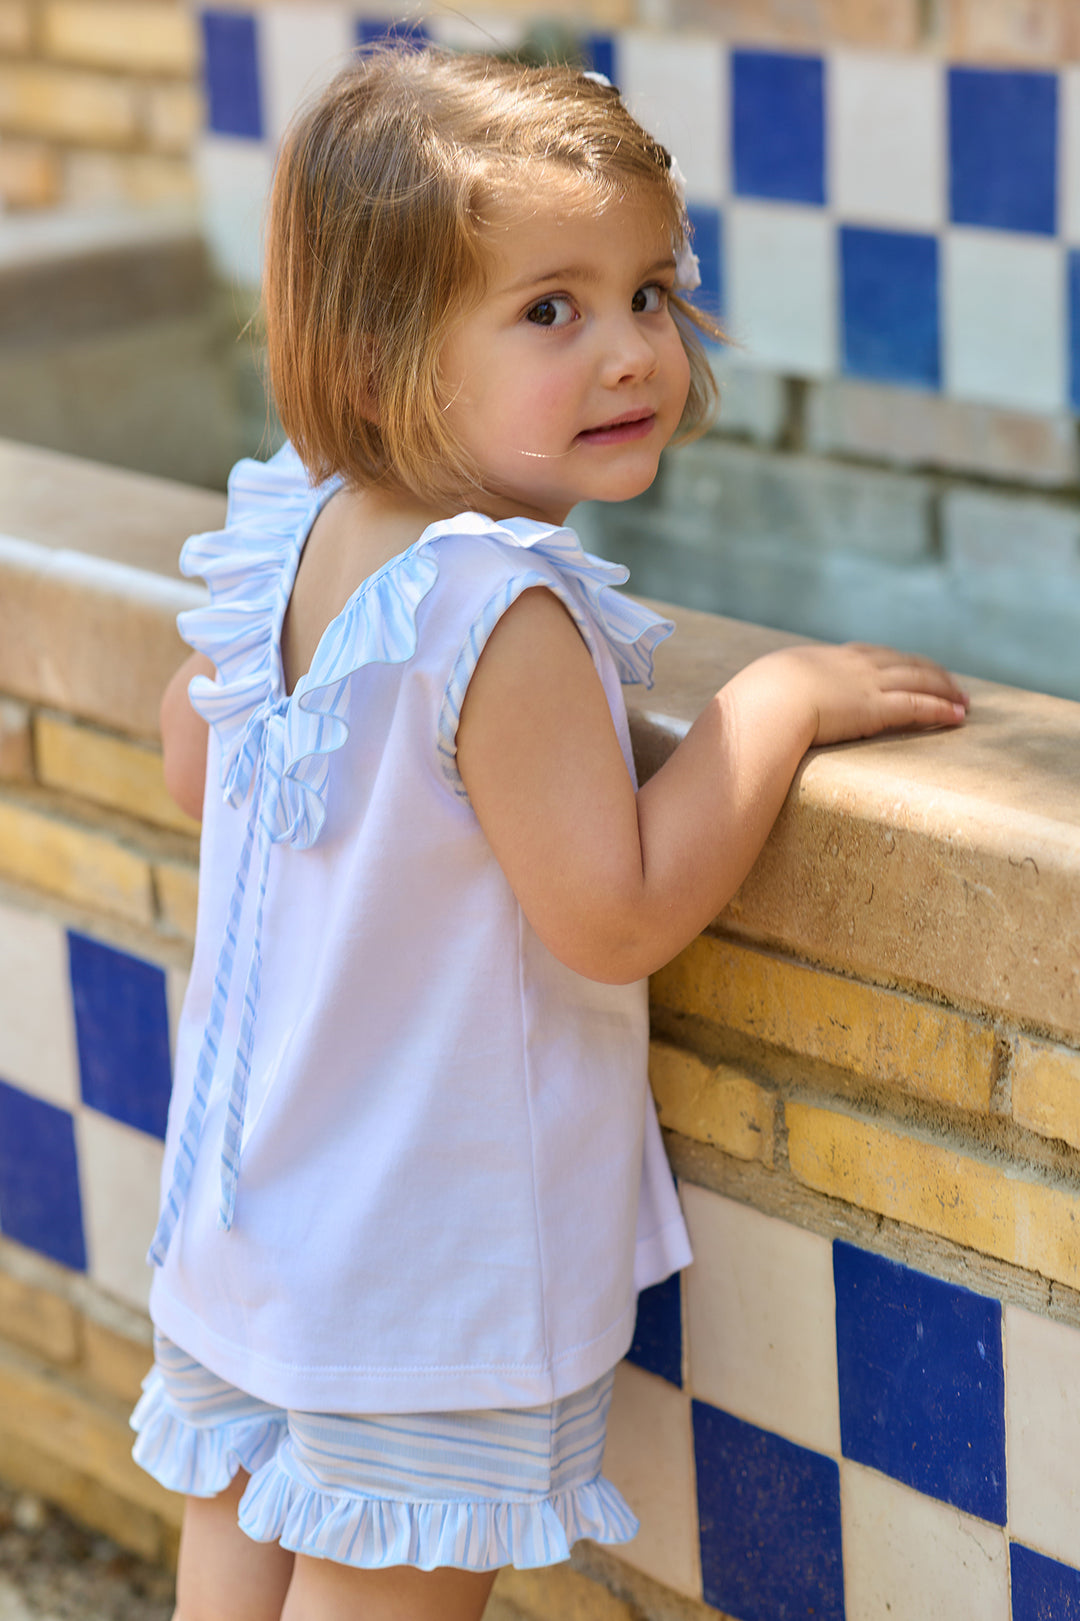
[99, 101]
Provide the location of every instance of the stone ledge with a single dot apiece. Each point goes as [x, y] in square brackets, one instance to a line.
[947, 863]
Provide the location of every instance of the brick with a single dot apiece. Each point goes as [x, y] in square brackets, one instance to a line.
[886, 24]
[172, 117]
[27, 1467]
[712, 1103]
[985, 1207]
[1046, 1089]
[16, 748]
[752, 497]
[63, 1421]
[915, 429]
[16, 27]
[29, 175]
[781, 22]
[177, 888]
[38, 1319]
[67, 105]
[108, 770]
[983, 530]
[1021, 31]
[127, 177]
[135, 38]
[927, 1051]
[113, 1361]
[80, 864]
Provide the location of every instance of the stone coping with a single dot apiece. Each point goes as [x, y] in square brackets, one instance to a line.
[947, 863]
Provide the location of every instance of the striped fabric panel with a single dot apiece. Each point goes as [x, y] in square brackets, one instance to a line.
[508, 1454]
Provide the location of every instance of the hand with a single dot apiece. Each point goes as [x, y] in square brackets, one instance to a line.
[859, 690]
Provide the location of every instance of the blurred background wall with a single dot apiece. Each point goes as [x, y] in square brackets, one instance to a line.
[886, 197]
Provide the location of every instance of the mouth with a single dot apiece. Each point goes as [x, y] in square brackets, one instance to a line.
[621, 429]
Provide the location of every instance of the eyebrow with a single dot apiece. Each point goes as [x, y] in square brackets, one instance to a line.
[584, 273]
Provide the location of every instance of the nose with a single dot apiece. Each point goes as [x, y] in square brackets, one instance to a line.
[629, 355]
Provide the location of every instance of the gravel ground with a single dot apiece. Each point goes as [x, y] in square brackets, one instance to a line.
[54, 1570]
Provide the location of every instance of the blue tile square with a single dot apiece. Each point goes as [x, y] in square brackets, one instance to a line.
[769, 1516]
[708, 244]
[122, 1033]
[889, 309]
[1073, 273]
[1003, 149]
[39, 1178]
[1042, 1589]
[600, 55]
[778, 126]
[388, 30]
[657, 1342]
[922, 1382]
[232, 74]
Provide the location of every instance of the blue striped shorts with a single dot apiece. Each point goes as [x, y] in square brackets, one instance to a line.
[476, 1490]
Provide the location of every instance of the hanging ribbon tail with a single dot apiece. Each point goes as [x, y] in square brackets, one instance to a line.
[191, 1133]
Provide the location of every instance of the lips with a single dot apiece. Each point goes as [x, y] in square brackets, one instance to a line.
[621, 429]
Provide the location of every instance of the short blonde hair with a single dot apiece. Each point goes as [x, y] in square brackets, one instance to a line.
[375, 245]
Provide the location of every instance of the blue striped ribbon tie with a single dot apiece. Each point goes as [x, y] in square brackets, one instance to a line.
[265, 750]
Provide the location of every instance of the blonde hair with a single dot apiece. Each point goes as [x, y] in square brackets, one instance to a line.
[375, 245]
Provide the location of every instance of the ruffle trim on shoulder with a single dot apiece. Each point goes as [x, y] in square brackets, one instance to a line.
[250, 566]
[194, 1460]
[373, 1532]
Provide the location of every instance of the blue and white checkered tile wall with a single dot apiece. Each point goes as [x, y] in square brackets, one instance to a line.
[879, 216]
[805, 1428]
[85, 1074]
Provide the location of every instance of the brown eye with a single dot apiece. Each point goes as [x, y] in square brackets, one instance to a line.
[647, 300]
[551, 312]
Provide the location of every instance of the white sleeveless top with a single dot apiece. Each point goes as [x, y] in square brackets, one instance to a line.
[412, 1162]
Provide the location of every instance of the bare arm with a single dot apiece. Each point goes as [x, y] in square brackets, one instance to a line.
[184, 737]
[616, 883]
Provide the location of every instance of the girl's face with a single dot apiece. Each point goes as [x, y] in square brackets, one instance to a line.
[568, 378]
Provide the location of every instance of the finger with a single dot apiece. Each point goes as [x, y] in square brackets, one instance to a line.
[919, 677]
[904, 711]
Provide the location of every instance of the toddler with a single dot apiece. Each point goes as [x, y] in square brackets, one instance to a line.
[413, 1177]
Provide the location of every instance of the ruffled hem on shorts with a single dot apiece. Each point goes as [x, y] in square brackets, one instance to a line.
[373, 1532]
[188, 1458]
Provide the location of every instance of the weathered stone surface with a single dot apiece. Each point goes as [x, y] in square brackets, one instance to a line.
[16, 750]
[67, 104]
[1046, 1089]
[1019, 31]
[177, 890]
[949, 860]
[29, 175]
[38, 1320]
[740, 495]
[929, 1185]
[753, 403]
[109, 770]
[913, 428]
[927, 1051]
[81, 865]
[711, 1103]
[983, 530]
[113, 1361]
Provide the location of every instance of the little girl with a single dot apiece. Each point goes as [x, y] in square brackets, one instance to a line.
[413, 1177]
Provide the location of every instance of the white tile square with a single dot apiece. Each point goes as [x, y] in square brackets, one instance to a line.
[300, 49]
[119, 1178]
[1004, 319]
[1042, 1428]
[761, 1318]
[677, 90]
[781, 263]
[37, 1030]
[650, 1458]
[886, 139]
[910, 1558]
[234, 182]
[1069, 155]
